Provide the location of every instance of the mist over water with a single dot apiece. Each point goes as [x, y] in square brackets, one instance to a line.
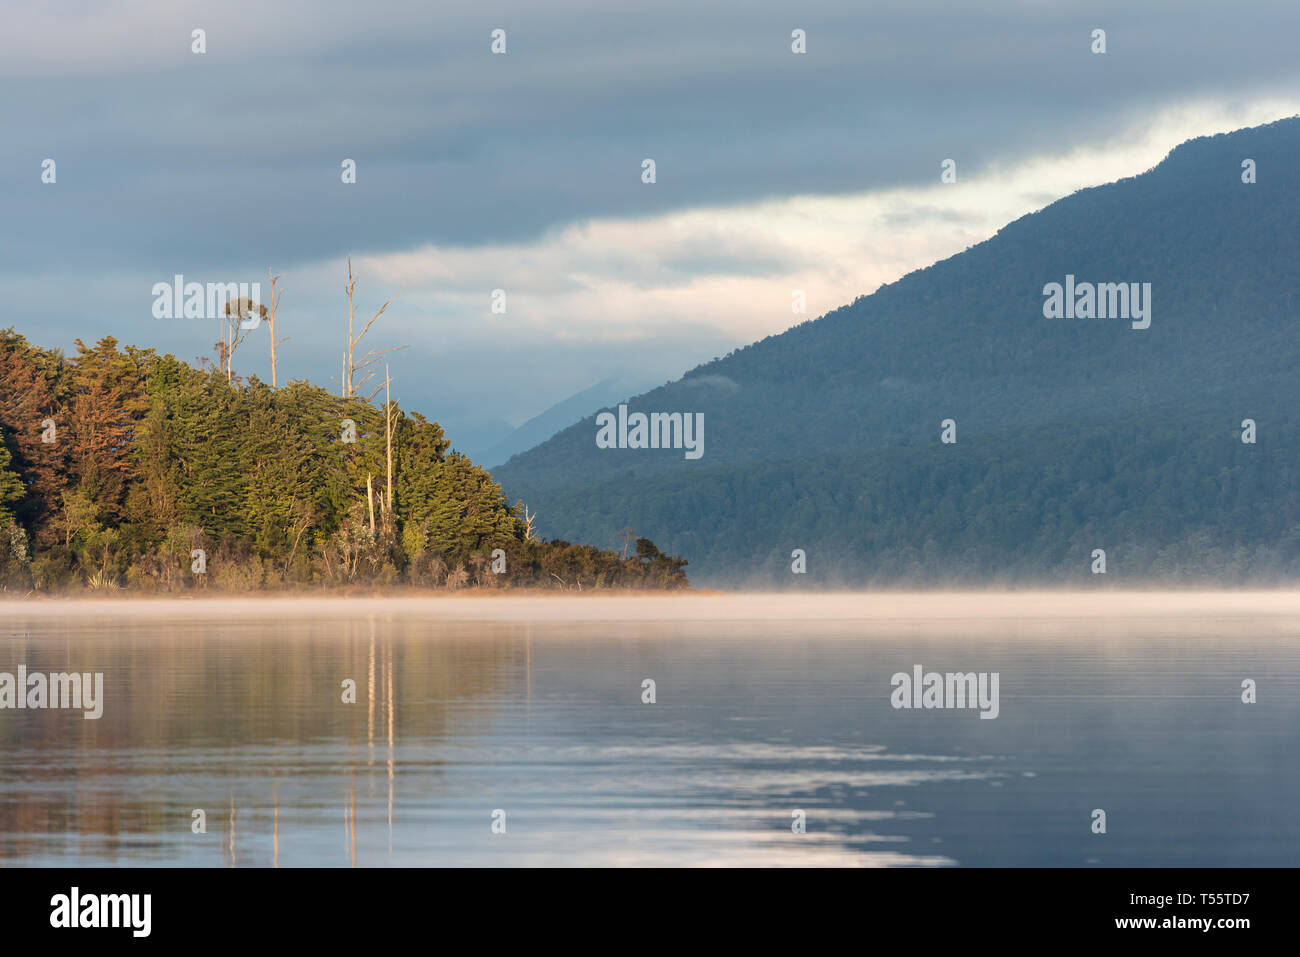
[764, 705]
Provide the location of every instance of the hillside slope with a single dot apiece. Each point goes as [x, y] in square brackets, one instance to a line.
[1072, 434]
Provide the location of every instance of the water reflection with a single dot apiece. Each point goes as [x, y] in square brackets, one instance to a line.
[245, 719]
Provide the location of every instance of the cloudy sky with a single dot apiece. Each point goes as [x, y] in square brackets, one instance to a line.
[523, 171]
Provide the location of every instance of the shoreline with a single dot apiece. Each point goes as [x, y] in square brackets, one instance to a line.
[692, 606]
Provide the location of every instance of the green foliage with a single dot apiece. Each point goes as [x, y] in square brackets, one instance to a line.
[156, 462]
[1172, 496]
[14, 550]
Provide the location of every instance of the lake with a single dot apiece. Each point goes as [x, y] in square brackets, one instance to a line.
[517, 731]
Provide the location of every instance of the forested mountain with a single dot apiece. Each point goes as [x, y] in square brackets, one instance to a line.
[127, 468]
[1072, 434]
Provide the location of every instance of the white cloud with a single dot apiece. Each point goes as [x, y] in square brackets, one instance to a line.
[733, 268]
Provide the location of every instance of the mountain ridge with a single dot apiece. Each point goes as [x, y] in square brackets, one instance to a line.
[966, 338]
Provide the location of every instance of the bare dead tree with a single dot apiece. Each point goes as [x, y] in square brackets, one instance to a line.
[234, 332]
[374, 357]
[388, 436]
[529, 518]
[370, 498]
[270, 319]
[351, 367]
[343, 375]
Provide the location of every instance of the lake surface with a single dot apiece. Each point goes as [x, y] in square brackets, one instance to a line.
[764, 707]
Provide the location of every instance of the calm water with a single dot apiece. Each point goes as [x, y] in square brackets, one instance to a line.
[243, 718]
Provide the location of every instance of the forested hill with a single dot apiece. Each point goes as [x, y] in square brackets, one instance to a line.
[1072, 434]
[123, 468]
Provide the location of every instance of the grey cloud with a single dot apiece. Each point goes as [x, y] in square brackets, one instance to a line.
[455, 145]
[217, 166]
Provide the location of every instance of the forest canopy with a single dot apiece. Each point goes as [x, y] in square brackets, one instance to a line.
[124, 468]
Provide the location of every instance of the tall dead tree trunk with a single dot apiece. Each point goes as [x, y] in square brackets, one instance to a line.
[351, 367]
[275, 301]
[388, 436]
[370, 497]
[347, 355]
